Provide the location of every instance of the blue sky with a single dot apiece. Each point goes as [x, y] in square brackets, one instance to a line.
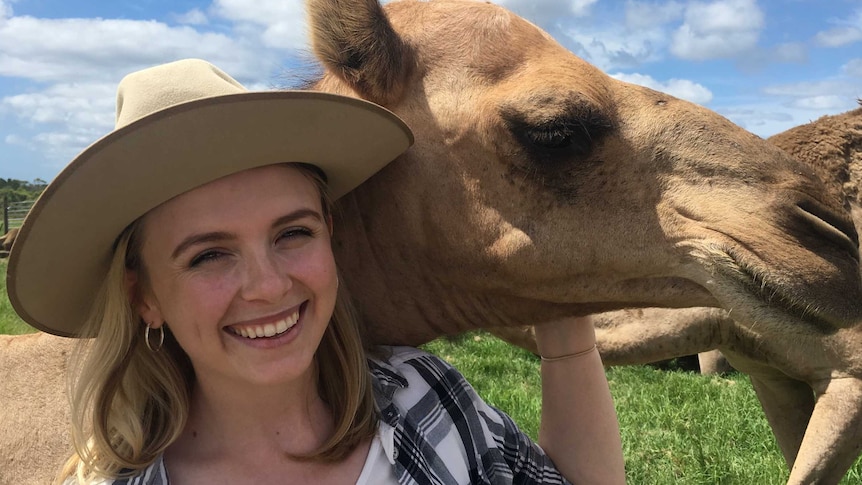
[766, 65]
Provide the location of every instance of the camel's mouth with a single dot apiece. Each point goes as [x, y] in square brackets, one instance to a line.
[756, 282]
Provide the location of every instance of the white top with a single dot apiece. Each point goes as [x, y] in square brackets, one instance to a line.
[379, 464]
[379, 467]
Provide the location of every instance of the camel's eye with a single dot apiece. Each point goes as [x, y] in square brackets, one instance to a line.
[560, 138]
[557, 136]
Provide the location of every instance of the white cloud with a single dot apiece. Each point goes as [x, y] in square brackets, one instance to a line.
[76, 104]
[838, 36]
[15, 139]
[761, 119]
[810, 89]
[822, 102]
[789, 52]
[98, 50]
[644, 15]
[283, 21]
[806, 101]
[615, 48]
[680, 88]
[192, 17]
[73, 66]
[548, 13]
[853, 68]
[847, 31]
[718, 29]
[64, 118]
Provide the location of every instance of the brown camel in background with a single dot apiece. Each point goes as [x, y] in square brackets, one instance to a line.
[527, 162]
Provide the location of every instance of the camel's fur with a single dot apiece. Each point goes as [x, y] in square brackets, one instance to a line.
[527, 162]
[8, 239]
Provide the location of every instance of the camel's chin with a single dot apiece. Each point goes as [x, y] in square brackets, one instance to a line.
[751, 296]
[768, 293]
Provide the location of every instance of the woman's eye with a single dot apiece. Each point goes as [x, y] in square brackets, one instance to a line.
[294, 233]
[205, 257]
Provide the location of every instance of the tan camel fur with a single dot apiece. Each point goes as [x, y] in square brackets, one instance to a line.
[804, 376]
[8, 239]
[527, 162]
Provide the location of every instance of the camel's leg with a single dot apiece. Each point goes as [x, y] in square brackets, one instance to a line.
[713, 362]
[787, 404]
[834, 437]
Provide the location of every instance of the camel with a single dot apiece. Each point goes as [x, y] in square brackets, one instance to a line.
[527, 161]
[811, 392]
[7, 240]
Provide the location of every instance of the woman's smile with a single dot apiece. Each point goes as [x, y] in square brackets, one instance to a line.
[276, 332]
[266, 330]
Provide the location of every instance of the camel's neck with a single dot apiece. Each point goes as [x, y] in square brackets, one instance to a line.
[398, 296]
[407, 294]
[832, 147]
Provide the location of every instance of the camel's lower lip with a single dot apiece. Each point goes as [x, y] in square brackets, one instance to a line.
[757, 284]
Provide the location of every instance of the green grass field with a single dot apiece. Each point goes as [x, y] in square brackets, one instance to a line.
[9, 321]
[677, 427]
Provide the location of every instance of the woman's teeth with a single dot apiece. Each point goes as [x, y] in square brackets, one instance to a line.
[267, 330]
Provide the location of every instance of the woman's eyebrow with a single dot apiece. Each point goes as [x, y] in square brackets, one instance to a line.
[222, 235]
[297, 215]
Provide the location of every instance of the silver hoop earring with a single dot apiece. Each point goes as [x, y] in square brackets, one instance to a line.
[161, 338]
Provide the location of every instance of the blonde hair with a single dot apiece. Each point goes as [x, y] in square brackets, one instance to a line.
[129, 403]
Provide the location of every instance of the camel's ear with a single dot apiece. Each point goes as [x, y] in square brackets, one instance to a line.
[355, 41]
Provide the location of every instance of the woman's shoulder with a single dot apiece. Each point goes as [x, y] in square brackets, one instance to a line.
[406, 361]
[412, 376]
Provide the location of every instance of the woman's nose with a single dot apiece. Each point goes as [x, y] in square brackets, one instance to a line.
[265, 279]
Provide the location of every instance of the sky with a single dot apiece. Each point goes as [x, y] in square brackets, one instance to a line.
[767, 65]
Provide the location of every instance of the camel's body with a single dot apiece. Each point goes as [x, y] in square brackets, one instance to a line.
[527, 162]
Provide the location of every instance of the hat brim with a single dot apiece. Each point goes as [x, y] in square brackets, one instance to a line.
[63, 250]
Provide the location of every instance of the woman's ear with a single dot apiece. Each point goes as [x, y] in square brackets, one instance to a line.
[142, 301]
[131, 283]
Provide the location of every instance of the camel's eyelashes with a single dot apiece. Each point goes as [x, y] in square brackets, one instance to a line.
[557, 139]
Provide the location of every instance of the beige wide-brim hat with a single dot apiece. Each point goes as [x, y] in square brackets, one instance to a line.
[179, 126]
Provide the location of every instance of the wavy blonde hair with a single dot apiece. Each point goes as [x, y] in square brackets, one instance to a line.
[129, 403]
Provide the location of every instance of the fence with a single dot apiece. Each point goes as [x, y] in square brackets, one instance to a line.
[14, 213]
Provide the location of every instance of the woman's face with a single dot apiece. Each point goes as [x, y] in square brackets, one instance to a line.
[242, 272]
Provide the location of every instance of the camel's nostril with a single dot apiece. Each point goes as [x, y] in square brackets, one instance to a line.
[836, 228]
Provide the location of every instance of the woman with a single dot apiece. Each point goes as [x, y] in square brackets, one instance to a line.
[225, 351]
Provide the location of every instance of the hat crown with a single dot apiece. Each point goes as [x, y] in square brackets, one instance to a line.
[145, 92]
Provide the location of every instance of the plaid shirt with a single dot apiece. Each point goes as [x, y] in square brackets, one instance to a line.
[436, 430]
[444, 433]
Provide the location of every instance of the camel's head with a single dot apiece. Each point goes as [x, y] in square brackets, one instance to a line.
[540, 186]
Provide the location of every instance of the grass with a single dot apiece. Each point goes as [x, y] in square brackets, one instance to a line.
[9, 321]
[677, 427]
